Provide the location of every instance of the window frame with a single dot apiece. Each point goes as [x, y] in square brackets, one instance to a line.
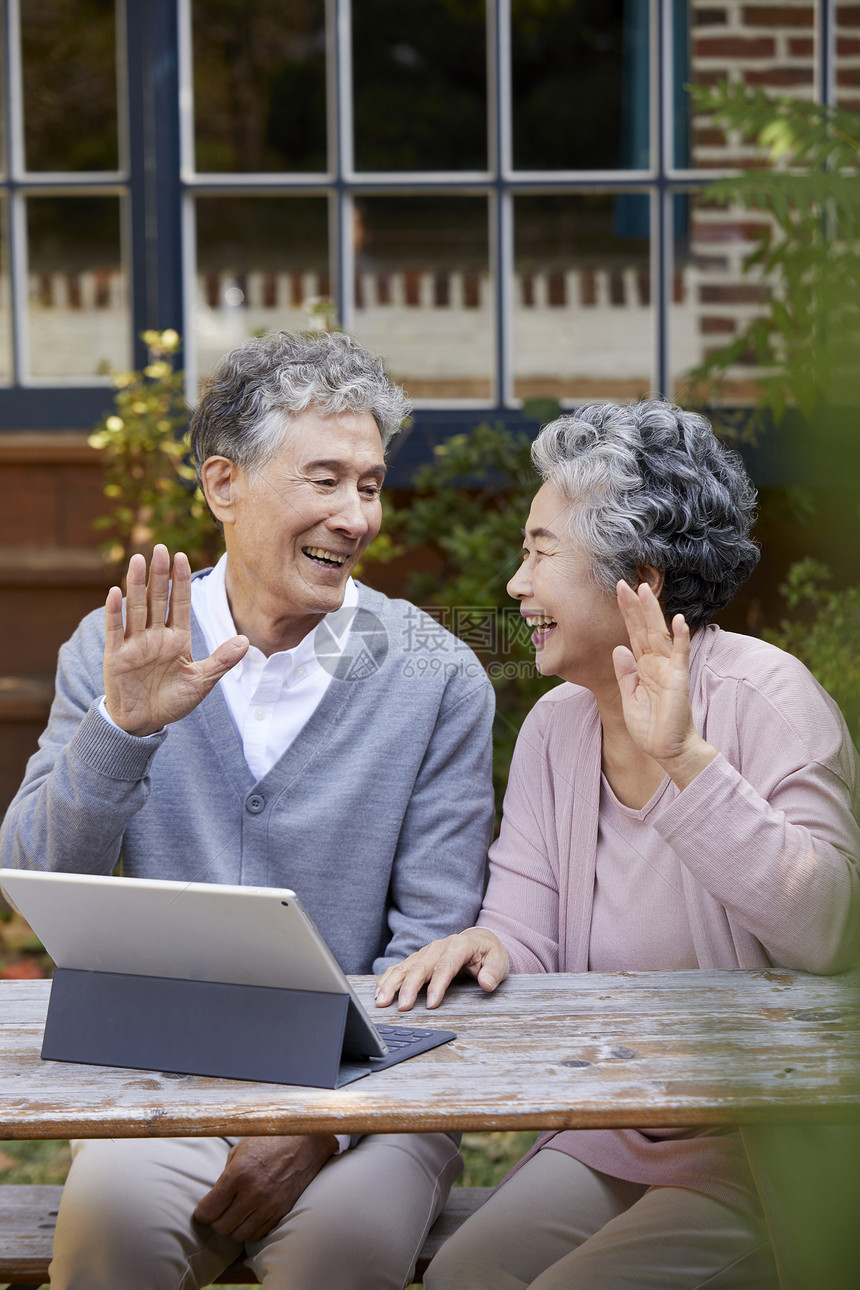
[157, 185]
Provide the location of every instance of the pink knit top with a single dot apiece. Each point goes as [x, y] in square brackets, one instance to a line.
[755, 863]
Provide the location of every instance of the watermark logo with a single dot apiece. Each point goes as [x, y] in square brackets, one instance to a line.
[351, 644]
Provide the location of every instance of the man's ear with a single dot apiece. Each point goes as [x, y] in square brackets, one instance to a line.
[219, 477]
[654, 578]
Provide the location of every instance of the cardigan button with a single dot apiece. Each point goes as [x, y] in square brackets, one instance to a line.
[255, 803]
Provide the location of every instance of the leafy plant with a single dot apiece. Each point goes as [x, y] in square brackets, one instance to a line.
[823, 633]
[806, 341]
[148, 478]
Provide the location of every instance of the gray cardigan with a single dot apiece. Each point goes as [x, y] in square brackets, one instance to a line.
[379, 814]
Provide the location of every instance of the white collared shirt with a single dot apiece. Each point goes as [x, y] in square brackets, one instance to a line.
[269, 699]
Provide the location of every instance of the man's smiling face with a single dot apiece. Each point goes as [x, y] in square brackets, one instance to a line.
[296, 528]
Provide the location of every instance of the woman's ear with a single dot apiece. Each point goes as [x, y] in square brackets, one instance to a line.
[654, 578]
[218, 476]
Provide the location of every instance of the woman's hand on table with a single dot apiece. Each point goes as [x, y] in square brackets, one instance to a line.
[653, 676]
[476, 951]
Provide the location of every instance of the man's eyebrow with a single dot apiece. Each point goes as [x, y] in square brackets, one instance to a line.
[333, 463]
[540, 533]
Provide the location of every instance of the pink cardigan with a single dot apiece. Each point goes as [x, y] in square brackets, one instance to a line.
[766, 837]
[766, 834]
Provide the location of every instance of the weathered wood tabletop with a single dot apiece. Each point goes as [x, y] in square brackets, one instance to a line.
[599, 1049]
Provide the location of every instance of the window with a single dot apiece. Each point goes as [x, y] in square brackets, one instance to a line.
[499, 196]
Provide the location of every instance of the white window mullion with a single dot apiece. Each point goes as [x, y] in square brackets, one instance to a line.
[341, 158]
[189, 294]
[185, 64]
[17, 213]
[662, 159]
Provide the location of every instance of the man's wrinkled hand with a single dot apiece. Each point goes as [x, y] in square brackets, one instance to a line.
[262, 1180]
[150, 677]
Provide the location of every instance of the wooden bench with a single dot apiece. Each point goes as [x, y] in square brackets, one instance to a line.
[28, 1213]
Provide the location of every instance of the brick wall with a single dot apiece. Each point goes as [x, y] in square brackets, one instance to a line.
[772, 45]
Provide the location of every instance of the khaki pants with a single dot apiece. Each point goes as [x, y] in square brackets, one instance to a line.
[558, 1225]
[125, 1220]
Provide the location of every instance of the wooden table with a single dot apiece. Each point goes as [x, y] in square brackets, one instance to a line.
[599, 1049]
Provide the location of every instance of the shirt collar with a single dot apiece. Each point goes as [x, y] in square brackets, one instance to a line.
[212, 610]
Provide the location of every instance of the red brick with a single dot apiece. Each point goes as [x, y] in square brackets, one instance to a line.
[710, 325]
[709, 138]
[747, 359]
[22, 970]
[616, 287]
[848, 76]
[729, 163]
[734, 47]
[848, 15]
[779, 76]
[734, 293]
[848, 45]
[709, 18]
[756, 15]
[556, 290]
[709, 78]
[709, 204]
[734, 232]
[471, 290]
[710, 263]
[412, 282]
[102, 282]
[383, 289]
[801, 47]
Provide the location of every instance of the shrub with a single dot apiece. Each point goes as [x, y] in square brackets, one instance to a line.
[148, 479]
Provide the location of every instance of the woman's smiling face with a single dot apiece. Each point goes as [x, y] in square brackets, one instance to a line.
[576, 623]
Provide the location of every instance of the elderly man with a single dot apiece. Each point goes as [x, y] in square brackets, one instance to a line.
[274, 723]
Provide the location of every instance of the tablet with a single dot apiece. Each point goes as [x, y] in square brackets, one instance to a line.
[258, 936]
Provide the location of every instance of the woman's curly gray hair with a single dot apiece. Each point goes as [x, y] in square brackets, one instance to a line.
[245, 408]
[650, 484]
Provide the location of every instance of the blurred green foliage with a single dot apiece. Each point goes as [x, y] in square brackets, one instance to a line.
[806, 344]
[489, 1156]
[467, 509]
[805, 340]
[824, 632]
[148, 479]
[43, 1161]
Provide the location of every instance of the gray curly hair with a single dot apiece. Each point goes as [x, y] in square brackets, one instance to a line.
[650, 484]
[245, 408]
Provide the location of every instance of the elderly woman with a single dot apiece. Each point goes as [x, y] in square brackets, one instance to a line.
[684, 801]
